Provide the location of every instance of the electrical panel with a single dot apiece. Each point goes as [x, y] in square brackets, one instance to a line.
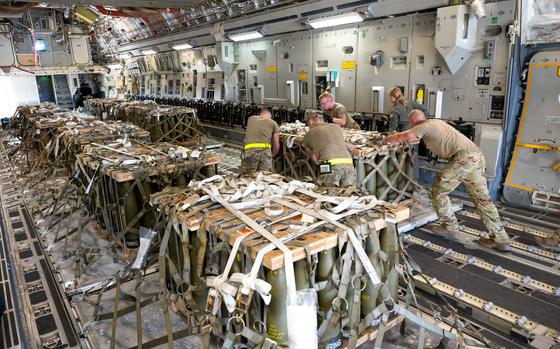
[376, 58]
[497, 106]
[482, 76]
[489, 46]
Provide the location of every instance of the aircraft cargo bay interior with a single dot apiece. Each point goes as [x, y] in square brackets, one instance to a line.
[266, 174]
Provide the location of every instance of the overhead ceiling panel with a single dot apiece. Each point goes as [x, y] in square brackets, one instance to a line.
[127, 3]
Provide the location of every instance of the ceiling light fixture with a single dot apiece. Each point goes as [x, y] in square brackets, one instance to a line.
[149, 51]
[184, 46]
[41, 45]
[125, 55]
[246, 36]
[344, 18]
[114, 66]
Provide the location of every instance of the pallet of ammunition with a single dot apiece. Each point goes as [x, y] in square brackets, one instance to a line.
[75, 136]
[119, 177]
[384, 170]
[173, 124]
[234, 246]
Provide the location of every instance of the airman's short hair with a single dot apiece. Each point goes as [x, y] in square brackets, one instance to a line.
[312, 113]
[326, 94]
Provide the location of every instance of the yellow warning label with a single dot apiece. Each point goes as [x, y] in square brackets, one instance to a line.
[558, 72]
[271, 69]
[303, 76]
[348, 64]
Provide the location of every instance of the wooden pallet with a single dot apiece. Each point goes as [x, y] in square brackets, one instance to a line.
[314, 242]
[123, 175]
[370, 335]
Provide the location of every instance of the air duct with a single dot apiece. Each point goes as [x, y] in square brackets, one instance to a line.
[455, 35]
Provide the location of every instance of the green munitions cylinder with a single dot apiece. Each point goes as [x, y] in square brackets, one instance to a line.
[180, 119]
[401, 180]
[370, 294]
[180, 181]
[156, 132]
[390, 245]
[381, 185]
[392, 174]
[301, 271]
[371, 183]
[98, 204]
[165, 129]
[209, 171]
[198, 253]
[360, 171]
[325, 268]
[276, 316]
[410, 170]
[131, 209]
[149, 219]
[345, 325]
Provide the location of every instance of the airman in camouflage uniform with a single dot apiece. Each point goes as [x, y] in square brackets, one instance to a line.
[262, 143]
[466, 165]
[467, 168]
[337, 112]
[325, 144]
[340, 176]
[255, 160]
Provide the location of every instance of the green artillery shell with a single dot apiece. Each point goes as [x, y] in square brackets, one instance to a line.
[276, 316]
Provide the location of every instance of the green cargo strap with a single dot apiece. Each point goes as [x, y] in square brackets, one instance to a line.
[115, 315]
[381, 331]
[139, 339]
[371, 316]
[421, 338]
[311, 261]
[229, 341]
[355, 314]
[231, 336]
[252, 336]
[163, 286]
[331, 325]
[268, 344]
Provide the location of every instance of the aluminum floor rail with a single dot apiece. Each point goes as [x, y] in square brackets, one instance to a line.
[514, 298]
[47, 317]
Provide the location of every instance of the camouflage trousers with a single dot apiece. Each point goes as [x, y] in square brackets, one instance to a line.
[340, 176]
[467, 168]
[254, 160]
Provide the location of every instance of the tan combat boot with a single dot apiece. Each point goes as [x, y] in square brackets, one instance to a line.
[550, 242]
[447, 231]
[491, 243]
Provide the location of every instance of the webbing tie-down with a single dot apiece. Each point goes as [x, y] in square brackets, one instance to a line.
[288, 262]
[376, 281]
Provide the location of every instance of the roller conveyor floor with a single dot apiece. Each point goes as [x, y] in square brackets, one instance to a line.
[524, 282]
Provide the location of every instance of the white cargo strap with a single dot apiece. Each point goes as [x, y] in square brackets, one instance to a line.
[288, 262]
[220, 282]
[250, 280]
[376, 281]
